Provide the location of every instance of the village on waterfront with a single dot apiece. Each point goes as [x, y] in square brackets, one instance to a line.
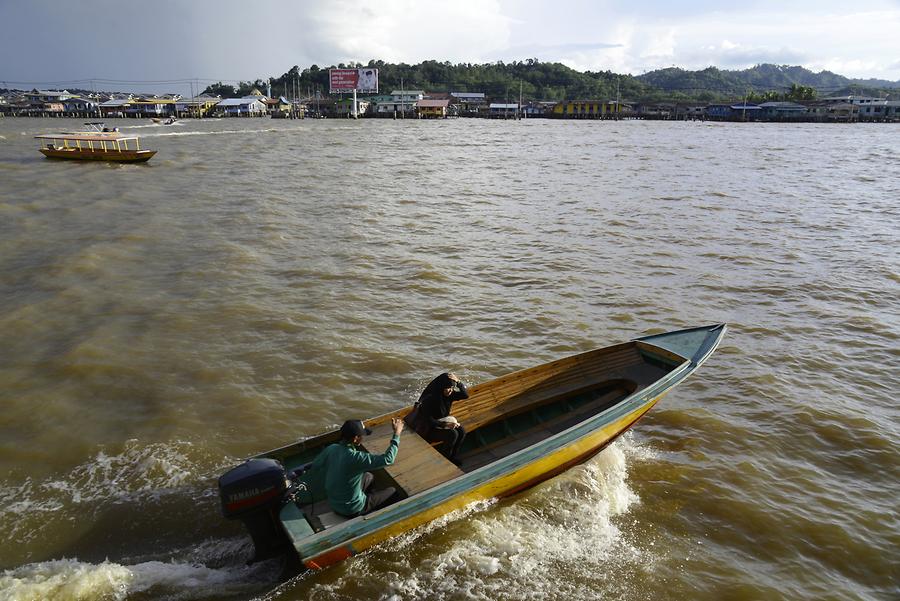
[422, 104]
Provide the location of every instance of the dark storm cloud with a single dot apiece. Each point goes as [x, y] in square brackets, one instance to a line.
[46, 42]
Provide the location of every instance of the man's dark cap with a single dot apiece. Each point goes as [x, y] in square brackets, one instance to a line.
[354, 427]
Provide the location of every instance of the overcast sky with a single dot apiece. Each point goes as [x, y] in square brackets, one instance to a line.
[49, 43]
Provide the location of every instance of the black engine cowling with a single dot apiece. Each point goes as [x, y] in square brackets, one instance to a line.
[253, 492]
[251, 486]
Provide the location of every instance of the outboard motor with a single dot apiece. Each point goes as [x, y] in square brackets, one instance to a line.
[253, 492]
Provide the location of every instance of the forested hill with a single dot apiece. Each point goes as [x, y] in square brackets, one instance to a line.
[536, 80]
[533, 79]
[761, 78]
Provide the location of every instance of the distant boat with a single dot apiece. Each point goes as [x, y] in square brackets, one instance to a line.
[96, 143]
[523, 428]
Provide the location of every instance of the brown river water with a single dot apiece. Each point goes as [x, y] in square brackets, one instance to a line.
[260, 281]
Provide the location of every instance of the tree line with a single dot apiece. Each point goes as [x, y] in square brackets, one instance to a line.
[531, 78]
[550, 81]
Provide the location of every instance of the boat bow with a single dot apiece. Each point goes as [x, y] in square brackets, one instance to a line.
[693, 344]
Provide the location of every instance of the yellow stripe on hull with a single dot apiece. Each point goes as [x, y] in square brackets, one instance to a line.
[526, 476]
[131, 156]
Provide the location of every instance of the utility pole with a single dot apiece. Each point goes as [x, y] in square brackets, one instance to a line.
[519, 107]
[617, 97]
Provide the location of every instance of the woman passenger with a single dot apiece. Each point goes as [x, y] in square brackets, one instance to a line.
[432, 419]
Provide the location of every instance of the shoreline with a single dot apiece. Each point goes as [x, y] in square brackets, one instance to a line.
[88, 115]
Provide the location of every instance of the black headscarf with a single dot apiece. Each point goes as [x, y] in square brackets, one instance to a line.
[433, 405]
[437, 386]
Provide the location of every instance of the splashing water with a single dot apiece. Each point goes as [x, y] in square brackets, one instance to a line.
[222, 132]
[508, 550]
[137, 478]
[73, 580]
[139, 473]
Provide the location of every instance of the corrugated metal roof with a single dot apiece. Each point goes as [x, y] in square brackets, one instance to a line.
[782, 105]
[433, 103]
[105, 137]
[238, 101]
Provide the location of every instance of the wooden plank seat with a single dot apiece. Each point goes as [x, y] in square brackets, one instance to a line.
[302, 520]
[330, 518]
[524, 390]
[418, 466]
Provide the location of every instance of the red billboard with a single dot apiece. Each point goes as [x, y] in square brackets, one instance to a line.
[347, 80]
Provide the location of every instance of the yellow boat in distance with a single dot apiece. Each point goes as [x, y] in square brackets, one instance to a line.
[97, 143]
[523, 428]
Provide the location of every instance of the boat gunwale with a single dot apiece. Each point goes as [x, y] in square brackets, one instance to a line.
[343, 535]
[485, 474]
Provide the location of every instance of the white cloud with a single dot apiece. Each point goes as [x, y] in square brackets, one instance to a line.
[407, 31]
[859, 43]
[661, 47]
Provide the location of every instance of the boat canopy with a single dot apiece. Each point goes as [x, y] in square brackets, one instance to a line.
[88, 137]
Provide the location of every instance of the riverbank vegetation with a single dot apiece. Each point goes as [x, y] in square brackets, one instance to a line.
[536, 80]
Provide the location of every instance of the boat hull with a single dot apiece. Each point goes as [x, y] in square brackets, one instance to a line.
[74, 154]
[616, 385]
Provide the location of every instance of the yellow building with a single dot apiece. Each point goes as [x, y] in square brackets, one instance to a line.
[432, 109]
[190, 107]
[585, 109]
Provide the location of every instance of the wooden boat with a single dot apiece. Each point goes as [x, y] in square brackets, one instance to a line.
[96, 144]
[523, 428]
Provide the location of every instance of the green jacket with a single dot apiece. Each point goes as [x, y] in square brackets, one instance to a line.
[344, 465]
